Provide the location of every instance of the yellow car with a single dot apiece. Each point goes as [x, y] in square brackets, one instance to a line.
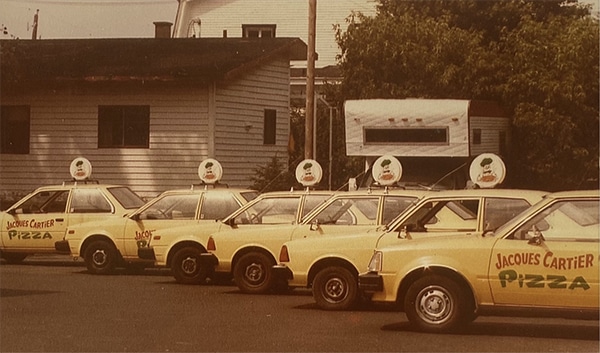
[330, 265]
[33, 224]
[250, 255]
[183, 248]
[544, 262]
[114, 242]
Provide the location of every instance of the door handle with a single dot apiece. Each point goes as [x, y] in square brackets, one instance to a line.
[60, 219]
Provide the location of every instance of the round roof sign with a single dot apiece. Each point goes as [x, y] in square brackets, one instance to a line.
[309, 172]
[487, 170]
[81, 168]
[210, 171]
[387, 170]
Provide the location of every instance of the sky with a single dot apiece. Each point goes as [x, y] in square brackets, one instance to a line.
[93, 18]
[85, 18]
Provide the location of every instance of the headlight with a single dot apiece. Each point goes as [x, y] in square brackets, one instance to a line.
[376, 262]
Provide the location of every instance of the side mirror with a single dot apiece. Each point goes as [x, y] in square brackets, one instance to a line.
[136, 217]
[314, 225]
[404, 232]
[231, 222]
[535, 236]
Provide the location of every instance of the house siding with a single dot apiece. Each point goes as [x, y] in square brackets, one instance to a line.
[64, 125]
[239, 130]
[490, 134]
[291, 19]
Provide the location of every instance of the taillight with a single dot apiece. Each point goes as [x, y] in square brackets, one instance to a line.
[376, 262]
[283, 254]
[211, 244]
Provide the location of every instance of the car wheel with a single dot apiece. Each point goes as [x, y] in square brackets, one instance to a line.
[335, 288]
[101, 257]
[187, 267]
[14, 258]
[253, 274]
[433, 304]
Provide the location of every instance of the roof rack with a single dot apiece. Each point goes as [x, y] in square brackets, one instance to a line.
[85, 181]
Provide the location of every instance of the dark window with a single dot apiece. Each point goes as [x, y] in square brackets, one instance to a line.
[14, 129]
[123, 126]
[270, 127]
[258, 31]
[404, 135]
[477, 136]
[502, 143]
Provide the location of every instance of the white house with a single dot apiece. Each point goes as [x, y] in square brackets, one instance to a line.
[145, 111]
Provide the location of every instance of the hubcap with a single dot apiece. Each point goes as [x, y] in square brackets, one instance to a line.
[189, 265]
[335, 290]
[99, 257]
[254, 273]
[434, 305]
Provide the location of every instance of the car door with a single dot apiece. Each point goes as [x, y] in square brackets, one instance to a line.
[170, 210]
[37, 222]
[551, 260]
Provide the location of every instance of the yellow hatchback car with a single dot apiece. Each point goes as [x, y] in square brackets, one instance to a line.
[114, 242]
[543, 262]
[330, 265]
[250, 255]
[33, 224]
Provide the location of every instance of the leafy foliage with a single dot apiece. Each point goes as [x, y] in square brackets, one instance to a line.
[539, 59]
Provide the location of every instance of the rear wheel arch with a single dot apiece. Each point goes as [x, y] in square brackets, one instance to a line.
[98, 237]
[329, 262]
[250, 249]
[416, 274]
[180, 246]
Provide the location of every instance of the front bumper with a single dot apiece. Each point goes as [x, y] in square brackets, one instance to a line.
[62, 247]
[147, 253]
[282, 272]
[370, 282]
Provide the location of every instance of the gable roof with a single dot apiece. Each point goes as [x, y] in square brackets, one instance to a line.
[198, 60]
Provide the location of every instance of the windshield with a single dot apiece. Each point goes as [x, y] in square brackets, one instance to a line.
[126, 197]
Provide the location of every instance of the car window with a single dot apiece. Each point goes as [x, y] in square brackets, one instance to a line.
[350, 211]
[249, 195]
[394, 205]
[500, 210]
[564, 220]
[126, 197]
[172, 207]
[272, 210]
[445, 215]
[218, 205]
[89, 201]
[45, 202]
[311, 201]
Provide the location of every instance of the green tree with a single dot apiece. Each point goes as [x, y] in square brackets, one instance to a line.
[539, 59]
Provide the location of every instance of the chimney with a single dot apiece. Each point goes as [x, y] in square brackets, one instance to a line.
[162, 29]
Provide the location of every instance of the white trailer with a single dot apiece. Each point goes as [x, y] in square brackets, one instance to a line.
[432, 135]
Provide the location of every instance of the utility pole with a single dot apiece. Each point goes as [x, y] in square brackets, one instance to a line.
[310, 80]
[35, 25]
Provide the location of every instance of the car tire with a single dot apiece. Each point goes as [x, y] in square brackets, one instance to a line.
[187, 268]
[13, 258]
[101, 257]
[433, 304]
[253, 273]
[335, 288]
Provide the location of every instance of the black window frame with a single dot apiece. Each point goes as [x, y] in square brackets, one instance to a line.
[406, 136]
[270, 127]
[258, 30]
[115, 121]
[15, 129]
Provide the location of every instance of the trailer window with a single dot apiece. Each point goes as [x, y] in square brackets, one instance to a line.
[406, 135]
